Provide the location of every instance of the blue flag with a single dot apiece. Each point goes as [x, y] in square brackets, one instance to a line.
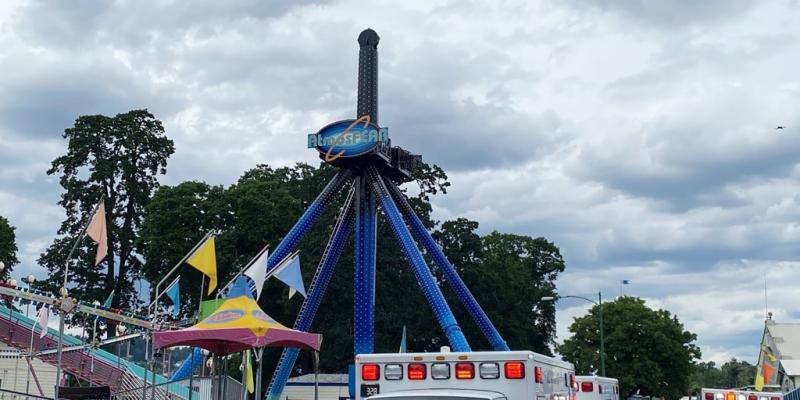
[173, 291]
[290, 275]
[110, 297]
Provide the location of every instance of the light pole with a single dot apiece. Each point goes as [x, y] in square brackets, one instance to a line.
[29, 280]
[599, 303]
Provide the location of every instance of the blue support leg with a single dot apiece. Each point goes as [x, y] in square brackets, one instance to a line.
[364, 272]
[436, 253]
[316, 292]
[424, 276]
[307, 220]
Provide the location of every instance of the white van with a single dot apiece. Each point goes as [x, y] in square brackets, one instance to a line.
[592, 387]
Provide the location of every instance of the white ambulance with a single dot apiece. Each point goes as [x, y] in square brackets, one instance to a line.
[592, 387]
[491, 375]
[736, 394]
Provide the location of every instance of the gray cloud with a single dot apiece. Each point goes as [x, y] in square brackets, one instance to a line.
[671, 13]
[636, 135]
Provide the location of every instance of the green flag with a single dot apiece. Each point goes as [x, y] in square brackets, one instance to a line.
[403, 341]
[208, 307]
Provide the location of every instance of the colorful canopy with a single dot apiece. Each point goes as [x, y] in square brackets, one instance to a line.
[238, 324]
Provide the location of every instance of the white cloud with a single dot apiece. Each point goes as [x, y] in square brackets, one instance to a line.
[637, 136]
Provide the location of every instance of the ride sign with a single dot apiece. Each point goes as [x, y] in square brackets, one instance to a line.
[348, 138]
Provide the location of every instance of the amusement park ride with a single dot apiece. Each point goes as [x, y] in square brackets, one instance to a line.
[369, 171]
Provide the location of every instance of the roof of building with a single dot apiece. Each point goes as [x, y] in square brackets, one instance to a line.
[323, 378]
[791, 367]
[786, 337]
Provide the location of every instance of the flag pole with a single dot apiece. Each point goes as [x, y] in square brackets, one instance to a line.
[152, 308]
[61, 314]
[178, 265]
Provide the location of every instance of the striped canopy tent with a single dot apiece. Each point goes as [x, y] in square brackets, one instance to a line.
[238, 324]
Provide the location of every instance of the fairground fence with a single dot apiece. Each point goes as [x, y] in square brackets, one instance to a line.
[205, 388]
[793, 395]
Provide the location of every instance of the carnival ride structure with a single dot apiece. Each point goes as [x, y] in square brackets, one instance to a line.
[370, 170]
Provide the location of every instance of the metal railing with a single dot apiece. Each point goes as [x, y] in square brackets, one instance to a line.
[793, 395]
[205, 388]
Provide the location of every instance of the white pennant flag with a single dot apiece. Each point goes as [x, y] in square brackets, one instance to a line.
[258, 272]
[42, 318]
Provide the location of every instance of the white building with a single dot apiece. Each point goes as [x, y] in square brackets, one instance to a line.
[331, 387]
[779, 358]
[14, 374]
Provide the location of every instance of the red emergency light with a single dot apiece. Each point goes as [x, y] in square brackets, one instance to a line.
[515, 370]
[416, 372]
[370, 372]
[465, 371]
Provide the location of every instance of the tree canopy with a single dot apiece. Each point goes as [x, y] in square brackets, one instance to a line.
[8, 247]
[648, 350]
[116, 159]
[733, 374]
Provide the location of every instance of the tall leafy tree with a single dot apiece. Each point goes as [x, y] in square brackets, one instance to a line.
[734, 373]
[511, 275]
[648, 350]
[8, 247]
[117, 159]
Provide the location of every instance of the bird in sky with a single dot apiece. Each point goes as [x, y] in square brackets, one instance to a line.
[780, 127]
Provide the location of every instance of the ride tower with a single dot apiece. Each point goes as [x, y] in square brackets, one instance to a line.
[370, 169]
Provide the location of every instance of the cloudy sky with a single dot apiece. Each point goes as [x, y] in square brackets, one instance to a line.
[638, 135]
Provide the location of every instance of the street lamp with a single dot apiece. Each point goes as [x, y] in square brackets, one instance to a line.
[599, 303]
[29, 280]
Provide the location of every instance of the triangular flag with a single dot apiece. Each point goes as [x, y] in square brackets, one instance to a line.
[258, 272]
[41, 318]
[109, 299]
[766, 371]
[403, 348]
[205, 260]
[248, 367]
[98, 232]
[173, 291]
[290, 274]
[769, 355]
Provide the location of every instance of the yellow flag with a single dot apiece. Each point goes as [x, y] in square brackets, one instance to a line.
[248, 372]
[205, 260]
[759, 383]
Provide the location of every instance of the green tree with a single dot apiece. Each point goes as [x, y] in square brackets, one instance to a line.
[648, 350]
[705, 375]
[8, 247]
[737, 373]
[733, 374]
[508, 274]
[117, 159]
